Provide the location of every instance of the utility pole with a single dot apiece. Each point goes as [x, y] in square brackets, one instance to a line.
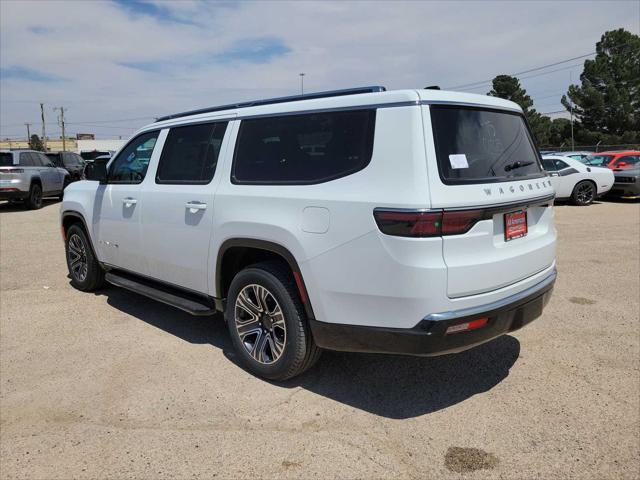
[61, 123]
[44, 136]
[571, 108]
[302, 83]
[28, 134]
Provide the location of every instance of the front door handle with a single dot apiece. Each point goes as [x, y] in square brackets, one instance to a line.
[128, 201]
[195, 206]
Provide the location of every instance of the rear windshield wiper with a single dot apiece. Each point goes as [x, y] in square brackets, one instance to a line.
[514, 165]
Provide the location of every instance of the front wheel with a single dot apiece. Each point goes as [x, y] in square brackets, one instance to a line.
[584, 193]
[267, 323]
[85, 271]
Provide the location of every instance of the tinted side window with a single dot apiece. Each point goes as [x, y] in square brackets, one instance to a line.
[628, 159]
[26, 160]
[549, 165]
[44, 160]
[190, 153]
[560, 164]
[303, 149]
[131, 164]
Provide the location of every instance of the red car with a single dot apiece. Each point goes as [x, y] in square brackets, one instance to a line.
[614, 160]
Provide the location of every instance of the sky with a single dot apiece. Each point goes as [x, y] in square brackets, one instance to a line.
[116, 65]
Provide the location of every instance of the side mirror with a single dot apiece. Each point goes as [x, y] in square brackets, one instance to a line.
[96, 171]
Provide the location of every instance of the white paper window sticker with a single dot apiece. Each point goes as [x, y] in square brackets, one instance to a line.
[458, 161]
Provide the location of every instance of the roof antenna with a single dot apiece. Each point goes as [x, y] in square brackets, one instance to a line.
[432, 87]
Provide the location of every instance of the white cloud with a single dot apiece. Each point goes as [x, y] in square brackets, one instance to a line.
[337, 44]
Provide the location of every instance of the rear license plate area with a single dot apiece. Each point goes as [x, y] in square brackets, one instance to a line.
[515, 225]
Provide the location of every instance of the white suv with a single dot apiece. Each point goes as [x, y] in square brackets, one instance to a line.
[409, 222]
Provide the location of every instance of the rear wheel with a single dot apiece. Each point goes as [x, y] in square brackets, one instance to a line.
[34, 201]
[584, 193]
[267, 323]
[85, 271]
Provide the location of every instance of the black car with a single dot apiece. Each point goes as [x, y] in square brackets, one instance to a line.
[71, 162]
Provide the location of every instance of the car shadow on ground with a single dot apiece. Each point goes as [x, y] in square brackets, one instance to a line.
[386, 385]
[6, 207]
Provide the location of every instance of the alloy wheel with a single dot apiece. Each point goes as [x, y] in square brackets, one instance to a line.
[260, 324]
[585, 193]
[77, 254]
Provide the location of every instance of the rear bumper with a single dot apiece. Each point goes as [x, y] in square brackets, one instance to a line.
[13, 194]
[428, 337]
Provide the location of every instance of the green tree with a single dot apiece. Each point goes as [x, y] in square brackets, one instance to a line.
[607, 102]
[35, 143]
[509, 88]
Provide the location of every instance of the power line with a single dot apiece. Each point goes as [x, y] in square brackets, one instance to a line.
[525, 71]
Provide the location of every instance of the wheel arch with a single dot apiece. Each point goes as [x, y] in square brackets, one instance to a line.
[70, 217]
[226, 267]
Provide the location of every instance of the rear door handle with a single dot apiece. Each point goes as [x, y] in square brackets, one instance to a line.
[128, 201]
[194, 206]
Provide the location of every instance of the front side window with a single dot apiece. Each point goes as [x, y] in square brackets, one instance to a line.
[44, 160]
[303, 149]
[475, 145]
[190, 154]
[628, 160]
[130, 166]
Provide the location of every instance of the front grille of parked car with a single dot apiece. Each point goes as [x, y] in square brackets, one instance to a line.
[625, 179]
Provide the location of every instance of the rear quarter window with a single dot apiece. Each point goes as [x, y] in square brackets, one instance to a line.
[477, 145]
[303, 149]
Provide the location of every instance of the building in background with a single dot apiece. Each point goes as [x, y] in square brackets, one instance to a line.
[76, 145]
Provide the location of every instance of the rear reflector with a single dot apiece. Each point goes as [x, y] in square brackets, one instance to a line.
[426, 224]
[465, 327]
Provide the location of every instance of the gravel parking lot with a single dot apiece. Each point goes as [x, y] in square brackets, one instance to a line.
[112, 385]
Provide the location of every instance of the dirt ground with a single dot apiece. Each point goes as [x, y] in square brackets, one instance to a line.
[112, 385]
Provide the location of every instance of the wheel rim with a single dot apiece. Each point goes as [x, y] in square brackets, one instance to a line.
[260, 324]
[77, 255]
[585, 193]
[37, 196]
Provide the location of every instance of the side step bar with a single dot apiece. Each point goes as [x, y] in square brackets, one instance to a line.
[185, 301]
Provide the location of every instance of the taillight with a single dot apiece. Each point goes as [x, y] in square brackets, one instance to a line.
[457, 222]
[12, 170]
[426, 224]
[409, 224]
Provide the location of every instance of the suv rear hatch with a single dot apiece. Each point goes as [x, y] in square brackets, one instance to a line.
[484, 172]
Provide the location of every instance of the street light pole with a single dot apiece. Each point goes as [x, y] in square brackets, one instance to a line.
[302, 83]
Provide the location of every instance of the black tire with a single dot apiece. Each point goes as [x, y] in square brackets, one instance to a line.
[93, 277]
[34, 200]
[300, 351]
[584, 193]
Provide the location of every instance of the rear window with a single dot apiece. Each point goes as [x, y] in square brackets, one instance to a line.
[303, 149]
[6, 159]
[476, 145]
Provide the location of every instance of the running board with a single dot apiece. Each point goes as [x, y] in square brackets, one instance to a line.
[185, 301]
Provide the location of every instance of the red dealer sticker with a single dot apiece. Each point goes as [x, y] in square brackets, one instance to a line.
[515, 225]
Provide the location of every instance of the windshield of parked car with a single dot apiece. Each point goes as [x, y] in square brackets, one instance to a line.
[598, 160]
[475, 145]
[6, 159]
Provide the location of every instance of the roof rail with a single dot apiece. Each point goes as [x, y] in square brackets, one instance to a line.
[270, 101]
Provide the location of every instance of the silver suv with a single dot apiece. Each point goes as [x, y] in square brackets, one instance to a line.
[28, 176]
